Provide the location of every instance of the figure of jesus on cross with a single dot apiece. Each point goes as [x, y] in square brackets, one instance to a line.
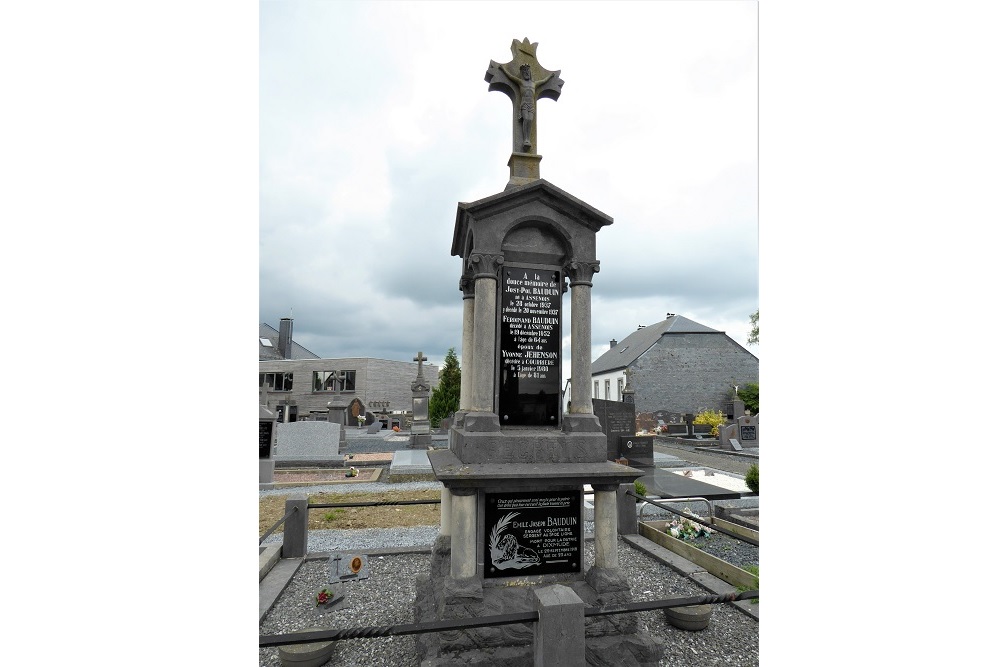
[523, 80]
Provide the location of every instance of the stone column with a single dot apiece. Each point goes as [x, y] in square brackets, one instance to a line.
[581, 403]
[445, 513]
[485, 269]
[467, 286]
[463, 533]
[606, 526]
[337, 414]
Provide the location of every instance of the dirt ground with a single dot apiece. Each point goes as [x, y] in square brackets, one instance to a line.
[272, 508]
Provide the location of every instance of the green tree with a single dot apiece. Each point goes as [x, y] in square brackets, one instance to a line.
[444, 398]
[749, 394]
[754, 337]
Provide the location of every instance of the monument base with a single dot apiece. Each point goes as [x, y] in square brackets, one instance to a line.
[610, 640]
[420, 441]
[526, 444]
[524, 169]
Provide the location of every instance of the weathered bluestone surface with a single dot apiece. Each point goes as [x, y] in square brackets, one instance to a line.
[308, 442]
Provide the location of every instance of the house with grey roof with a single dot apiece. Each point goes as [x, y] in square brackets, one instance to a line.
[676, 365]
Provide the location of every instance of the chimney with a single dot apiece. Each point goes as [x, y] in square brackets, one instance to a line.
[613, 342]
[285, 338]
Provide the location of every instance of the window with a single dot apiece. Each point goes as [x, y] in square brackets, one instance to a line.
[328, 381]
[607, 390]
[621, 388]
[597, 389]
[277, 381]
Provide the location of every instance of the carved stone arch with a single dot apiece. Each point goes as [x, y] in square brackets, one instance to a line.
[537, 241]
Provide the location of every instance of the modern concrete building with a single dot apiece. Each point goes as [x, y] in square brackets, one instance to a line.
[301, 384]
[676, 365]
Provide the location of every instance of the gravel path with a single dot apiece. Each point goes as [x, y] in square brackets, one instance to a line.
[386, 598]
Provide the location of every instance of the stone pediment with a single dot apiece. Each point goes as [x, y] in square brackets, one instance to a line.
[536, 209]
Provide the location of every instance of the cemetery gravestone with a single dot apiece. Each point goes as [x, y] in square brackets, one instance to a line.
[748, 430]
[420, 429]
[617, 421]
[267, 442]
[515, 467]
[309, 444]
[638, 449]
[356, 412]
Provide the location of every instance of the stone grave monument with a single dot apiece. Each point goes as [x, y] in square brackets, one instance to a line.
[311, 444]
[628, 393]
[357, 416]
[512, 518]
[742, 434]
[617, 421]
[420, 429]
[337, 407]
[267, 439]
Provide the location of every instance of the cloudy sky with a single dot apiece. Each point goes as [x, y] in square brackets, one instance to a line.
[375, 121]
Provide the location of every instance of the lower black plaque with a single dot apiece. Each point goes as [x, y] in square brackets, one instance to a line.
[265, 439]
[533, 532]
[748, 432]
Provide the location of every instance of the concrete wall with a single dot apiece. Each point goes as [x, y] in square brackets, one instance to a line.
[376, 380]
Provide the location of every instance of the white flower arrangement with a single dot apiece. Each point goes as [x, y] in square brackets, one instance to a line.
[686, 529]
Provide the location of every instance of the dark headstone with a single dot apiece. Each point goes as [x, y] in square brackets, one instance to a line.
[530, 347]
[617, 420]
[638, 449]
[266, 436]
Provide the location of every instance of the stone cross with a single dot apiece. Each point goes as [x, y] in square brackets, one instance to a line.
[263, 394]
[420, 359]
[628, 378]
[523, 80]
[338, 379]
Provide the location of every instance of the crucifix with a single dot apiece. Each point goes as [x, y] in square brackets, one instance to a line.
[420, 359]
[338, 380]
[523, 80]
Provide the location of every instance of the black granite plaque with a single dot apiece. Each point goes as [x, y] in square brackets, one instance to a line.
[748, 432]
[266, 428]
[637, 449]
[530, 347]
[533, 532]
[617, 420]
